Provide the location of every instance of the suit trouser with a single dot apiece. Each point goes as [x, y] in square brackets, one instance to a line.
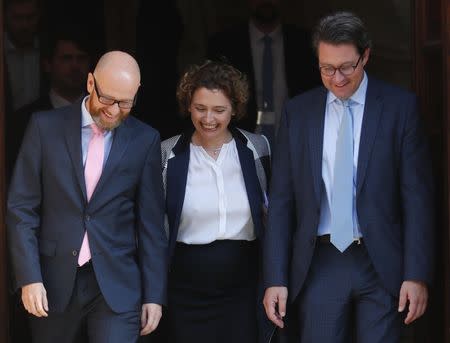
[344, 301]
[87, 309]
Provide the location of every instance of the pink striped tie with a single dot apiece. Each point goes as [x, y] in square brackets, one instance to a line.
[92, 173]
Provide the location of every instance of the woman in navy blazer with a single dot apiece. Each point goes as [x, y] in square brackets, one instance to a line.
[215, 179]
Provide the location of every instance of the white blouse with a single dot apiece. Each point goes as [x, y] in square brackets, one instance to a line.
[215, 203]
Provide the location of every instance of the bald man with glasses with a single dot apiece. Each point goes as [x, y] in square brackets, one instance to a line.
[86, 212]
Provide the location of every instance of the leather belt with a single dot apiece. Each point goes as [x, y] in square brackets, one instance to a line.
[265, 118]
[87, 265]
[325, 239]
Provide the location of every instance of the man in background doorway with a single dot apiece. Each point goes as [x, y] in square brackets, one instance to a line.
[277, 58]
[66, 60]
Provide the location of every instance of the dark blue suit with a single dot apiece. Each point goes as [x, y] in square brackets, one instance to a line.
[48, 213]
[394, 192]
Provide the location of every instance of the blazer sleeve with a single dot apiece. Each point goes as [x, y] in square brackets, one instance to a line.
[23, 209]
[277, 237]
[417, 189]
[152, 240]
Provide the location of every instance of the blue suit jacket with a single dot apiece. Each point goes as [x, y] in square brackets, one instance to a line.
[48, 212]
[394, 192]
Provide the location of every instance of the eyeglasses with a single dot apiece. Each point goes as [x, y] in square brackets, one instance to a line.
[345, 69]
[123, 104]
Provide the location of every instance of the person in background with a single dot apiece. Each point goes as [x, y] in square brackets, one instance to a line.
[66, 59]
[351, 235]
[159, 66]
[215, 182]
[22, 49]
[276, 56]
[85, 217]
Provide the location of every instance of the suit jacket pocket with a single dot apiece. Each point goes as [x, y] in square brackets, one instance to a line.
[47, 248]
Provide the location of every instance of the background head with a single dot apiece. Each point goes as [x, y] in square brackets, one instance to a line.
[67, 61]
[265, 12]
[22, 22]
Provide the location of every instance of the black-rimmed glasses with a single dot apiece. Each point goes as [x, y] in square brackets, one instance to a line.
[346, 69]
[123, 104]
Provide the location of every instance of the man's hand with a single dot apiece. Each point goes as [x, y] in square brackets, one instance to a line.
[416, 294]
[275, 304]
[34, 298]
[150, 316]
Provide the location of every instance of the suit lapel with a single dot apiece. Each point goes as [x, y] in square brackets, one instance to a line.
[177, 170]
[251, 181]
[371, 119]
[73, 141]
[316, 127]
[119, 145]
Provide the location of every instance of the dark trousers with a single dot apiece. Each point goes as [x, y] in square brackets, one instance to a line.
[344, 301]
[89, 313]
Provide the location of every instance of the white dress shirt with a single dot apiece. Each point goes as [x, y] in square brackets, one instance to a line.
[333, 116]
[280, 90]
[215, 205]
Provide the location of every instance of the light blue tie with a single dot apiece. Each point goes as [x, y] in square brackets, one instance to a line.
[342, 197]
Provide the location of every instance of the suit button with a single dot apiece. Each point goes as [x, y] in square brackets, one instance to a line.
[87, 217]
[74, 253]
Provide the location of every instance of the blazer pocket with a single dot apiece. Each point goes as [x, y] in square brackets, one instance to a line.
[47, 248]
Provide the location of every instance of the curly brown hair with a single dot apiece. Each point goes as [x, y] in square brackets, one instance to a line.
[214, 75]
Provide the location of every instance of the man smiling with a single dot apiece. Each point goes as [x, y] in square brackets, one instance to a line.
[85, 215]
[351, 217]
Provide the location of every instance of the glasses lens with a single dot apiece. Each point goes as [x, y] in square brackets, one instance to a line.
[106, 101]
[346, 70]
[328, 71]
[125, 104]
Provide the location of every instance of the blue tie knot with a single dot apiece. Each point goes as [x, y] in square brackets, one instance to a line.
[347, 103]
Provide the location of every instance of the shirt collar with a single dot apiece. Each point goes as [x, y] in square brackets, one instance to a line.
[86, 118]
[258, 35]
[359, 96]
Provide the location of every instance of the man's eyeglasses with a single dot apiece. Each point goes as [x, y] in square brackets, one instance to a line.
[345, 69]
[123, 104]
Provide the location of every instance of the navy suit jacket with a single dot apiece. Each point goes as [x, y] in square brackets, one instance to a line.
[394, 192]
[48, 212]
[300, 62]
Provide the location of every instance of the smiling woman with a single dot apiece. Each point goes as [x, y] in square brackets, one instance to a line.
[217, 173]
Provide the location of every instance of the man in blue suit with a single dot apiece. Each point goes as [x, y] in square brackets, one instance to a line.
[350, 237]
[86, 212]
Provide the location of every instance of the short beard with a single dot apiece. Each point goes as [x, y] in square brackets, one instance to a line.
[107, 127]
